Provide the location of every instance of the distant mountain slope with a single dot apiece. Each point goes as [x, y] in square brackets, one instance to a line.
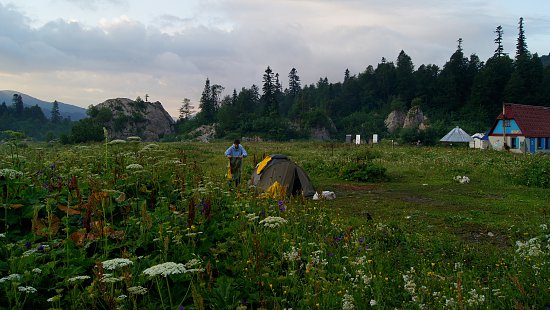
[66, 110]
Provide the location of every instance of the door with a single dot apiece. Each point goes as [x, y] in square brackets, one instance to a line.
[532, 145]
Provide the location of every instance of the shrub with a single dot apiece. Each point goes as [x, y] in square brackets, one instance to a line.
[363, 171]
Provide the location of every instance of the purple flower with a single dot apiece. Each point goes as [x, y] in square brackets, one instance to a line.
[330, 254]
[362, 240]
[27, 245]
[282, 209]
[41, 248]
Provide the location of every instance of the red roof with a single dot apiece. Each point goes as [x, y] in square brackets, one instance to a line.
[534, 121]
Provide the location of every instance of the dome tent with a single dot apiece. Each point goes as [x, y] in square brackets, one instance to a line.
[279, 169]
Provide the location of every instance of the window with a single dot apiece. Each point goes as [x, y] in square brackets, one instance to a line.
[548, 143]
[539, 143]
[514, 142]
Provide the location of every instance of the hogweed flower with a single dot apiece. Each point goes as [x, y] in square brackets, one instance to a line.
[165, 269]
[134, 167]
[11, 277]
[137, 290]
[10, 173]
[78, 278]
[347, 302]
[27, 289]
[116, 263]
[273, 221]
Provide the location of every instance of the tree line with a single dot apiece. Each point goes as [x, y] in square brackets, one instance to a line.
[465, 91]
[32, 121]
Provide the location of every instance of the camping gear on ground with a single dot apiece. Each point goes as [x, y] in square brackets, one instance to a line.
[278, 170]
[456, 135]
[327, 195]
[234, 170]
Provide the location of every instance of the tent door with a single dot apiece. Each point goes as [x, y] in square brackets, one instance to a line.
[296, 184]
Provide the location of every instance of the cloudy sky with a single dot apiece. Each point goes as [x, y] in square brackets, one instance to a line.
[86, 51]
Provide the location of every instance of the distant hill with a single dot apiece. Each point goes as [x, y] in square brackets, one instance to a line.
[66, 110]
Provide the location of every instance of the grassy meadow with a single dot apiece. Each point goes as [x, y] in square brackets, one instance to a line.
[134, 225]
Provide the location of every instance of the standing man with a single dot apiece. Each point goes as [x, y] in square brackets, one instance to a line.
[235, 155]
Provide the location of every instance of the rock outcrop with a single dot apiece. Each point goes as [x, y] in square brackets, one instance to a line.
[414, 118]
[148, 120]
[394, 121]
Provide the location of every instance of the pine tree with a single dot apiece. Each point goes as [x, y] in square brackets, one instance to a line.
[269, 99]
[206, 105]
[498, 40]
[185, 109]
[521, 45]
[18, 105]
[294, 86]
[55, 116]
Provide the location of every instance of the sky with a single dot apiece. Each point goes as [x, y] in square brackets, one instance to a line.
[84, 52]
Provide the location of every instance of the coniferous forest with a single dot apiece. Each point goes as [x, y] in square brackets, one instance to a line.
[466, 92]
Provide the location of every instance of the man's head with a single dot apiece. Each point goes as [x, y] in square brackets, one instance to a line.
[236, 143]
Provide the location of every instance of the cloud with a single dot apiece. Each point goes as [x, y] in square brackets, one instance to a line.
[170, 51]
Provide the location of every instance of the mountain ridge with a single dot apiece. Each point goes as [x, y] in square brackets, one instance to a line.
[74, 112]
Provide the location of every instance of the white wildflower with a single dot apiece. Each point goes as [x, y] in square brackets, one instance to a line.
[27, 289]
[475, 298]
[133, 139]
[11, 277]
[273, 221]
[54, 299]
[10, 173]
[78, 278]
[373, 303]
[293, 255]
[37, 270]
[252, 217]
[117, 141]
[108, 278]
[528, 248]
[134, 167]
[165, 269]
[121, 297]
[347, 302]
[2, 235]
[137, 290]
[116, 263]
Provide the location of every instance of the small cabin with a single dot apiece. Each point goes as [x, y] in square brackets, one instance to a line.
[521, 129]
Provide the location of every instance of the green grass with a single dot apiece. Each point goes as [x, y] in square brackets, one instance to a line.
[418, 239]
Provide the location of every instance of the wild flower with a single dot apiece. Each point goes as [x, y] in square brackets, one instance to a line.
[348, 302]
[10, 173]
[121, 297]
[165, 269]
[273, 221]
[108, 278]
[372, 303]
[134, 167]
[54, 299]
[78, 278]
[528, 248]
[27, 289]
[37, 270]
[137, 290]
[117, 141]
[292, 256]
[116, 263]
[11, 277]
[252, 217]
[475, 298]
[133, 139]
[2, 235]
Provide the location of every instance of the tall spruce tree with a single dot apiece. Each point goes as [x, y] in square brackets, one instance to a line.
[294, 86]
[269, 98]
[499, 51]
[18, 106]
[207, 105]
[55, 116]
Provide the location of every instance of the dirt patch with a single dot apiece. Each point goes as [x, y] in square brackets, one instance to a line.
[415, 199]
[476, 234]
[355, 187]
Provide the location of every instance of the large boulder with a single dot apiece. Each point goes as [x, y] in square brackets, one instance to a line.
[148, 120]
[415, 118]
[394, 121]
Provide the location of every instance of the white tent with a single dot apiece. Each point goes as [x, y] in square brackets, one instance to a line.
[456, 135]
